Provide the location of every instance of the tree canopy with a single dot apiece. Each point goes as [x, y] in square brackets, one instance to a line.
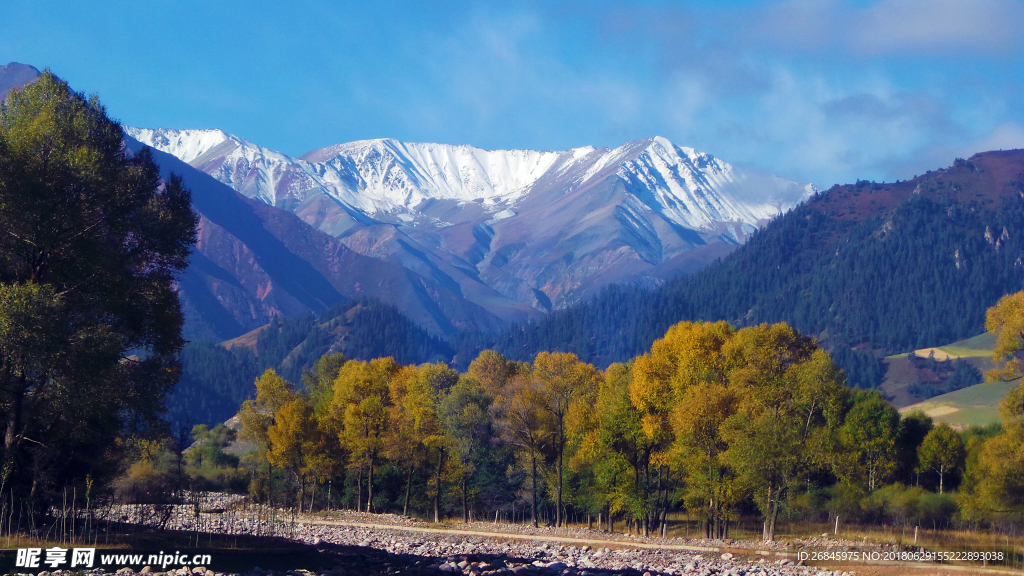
[90, 325]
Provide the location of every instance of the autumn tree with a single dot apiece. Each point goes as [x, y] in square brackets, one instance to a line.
[994, 476]
[524, 422]
[712, 486]
[1006, 321]
[257, 416]
[789, 392]
[362, 397]
[417, 436]
[493, 371]
[611, 444]
[294, 441]
[561, 381]
[680, 388]
[90, 324]
[993, 484]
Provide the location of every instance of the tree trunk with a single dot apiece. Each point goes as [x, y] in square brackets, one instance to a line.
[369, 488]
[14, 417]
[408, 489]
[559, 520]
[359, 490]
[664, 513]
[465, 507]
[270, 483]
[437, 486]
[533, 508]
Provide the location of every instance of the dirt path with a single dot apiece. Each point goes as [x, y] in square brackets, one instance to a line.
[865, 568]
[554, 538]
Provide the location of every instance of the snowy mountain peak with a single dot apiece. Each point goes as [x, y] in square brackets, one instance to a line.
[186, 145]
[387, 176]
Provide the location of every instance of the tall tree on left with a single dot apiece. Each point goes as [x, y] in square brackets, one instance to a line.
[90, 325]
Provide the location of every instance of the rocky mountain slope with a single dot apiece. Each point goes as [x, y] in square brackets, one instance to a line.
[254, 262]
[519, 232]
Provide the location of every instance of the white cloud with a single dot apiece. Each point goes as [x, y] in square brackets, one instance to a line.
[896, 26]
[889, 27]
[1006, 136]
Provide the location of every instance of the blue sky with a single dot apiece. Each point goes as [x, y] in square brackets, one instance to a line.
[821, 90]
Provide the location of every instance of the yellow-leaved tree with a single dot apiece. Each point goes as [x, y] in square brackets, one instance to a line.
[789, 393]
[361, 402]
[994, 479]
[492, 371]
[257, 416]
[688, 354]
[743, 413]
[679, 389]
[295, 441]
[417, 437]
[524, 423]
[562, 381]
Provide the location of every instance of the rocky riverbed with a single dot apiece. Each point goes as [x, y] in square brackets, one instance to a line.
[399, 545]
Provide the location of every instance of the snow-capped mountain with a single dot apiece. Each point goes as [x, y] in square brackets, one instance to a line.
[516, 231]
[385, 176]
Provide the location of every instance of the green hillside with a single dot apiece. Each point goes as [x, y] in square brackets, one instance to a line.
[936, 371]
[971, 406]
[978, 346]
[976, 405]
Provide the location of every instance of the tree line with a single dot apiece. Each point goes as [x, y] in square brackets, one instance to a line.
[717, 421]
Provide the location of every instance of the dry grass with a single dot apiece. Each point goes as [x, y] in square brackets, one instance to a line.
[15, 541]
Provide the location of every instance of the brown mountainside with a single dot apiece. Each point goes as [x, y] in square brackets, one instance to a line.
[984, 179]
[254, 262]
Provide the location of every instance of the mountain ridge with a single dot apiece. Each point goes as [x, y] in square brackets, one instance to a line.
[431, 171]
[518, 232]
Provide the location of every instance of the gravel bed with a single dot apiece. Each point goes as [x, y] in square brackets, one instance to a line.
[824, 542]
[372, 551]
